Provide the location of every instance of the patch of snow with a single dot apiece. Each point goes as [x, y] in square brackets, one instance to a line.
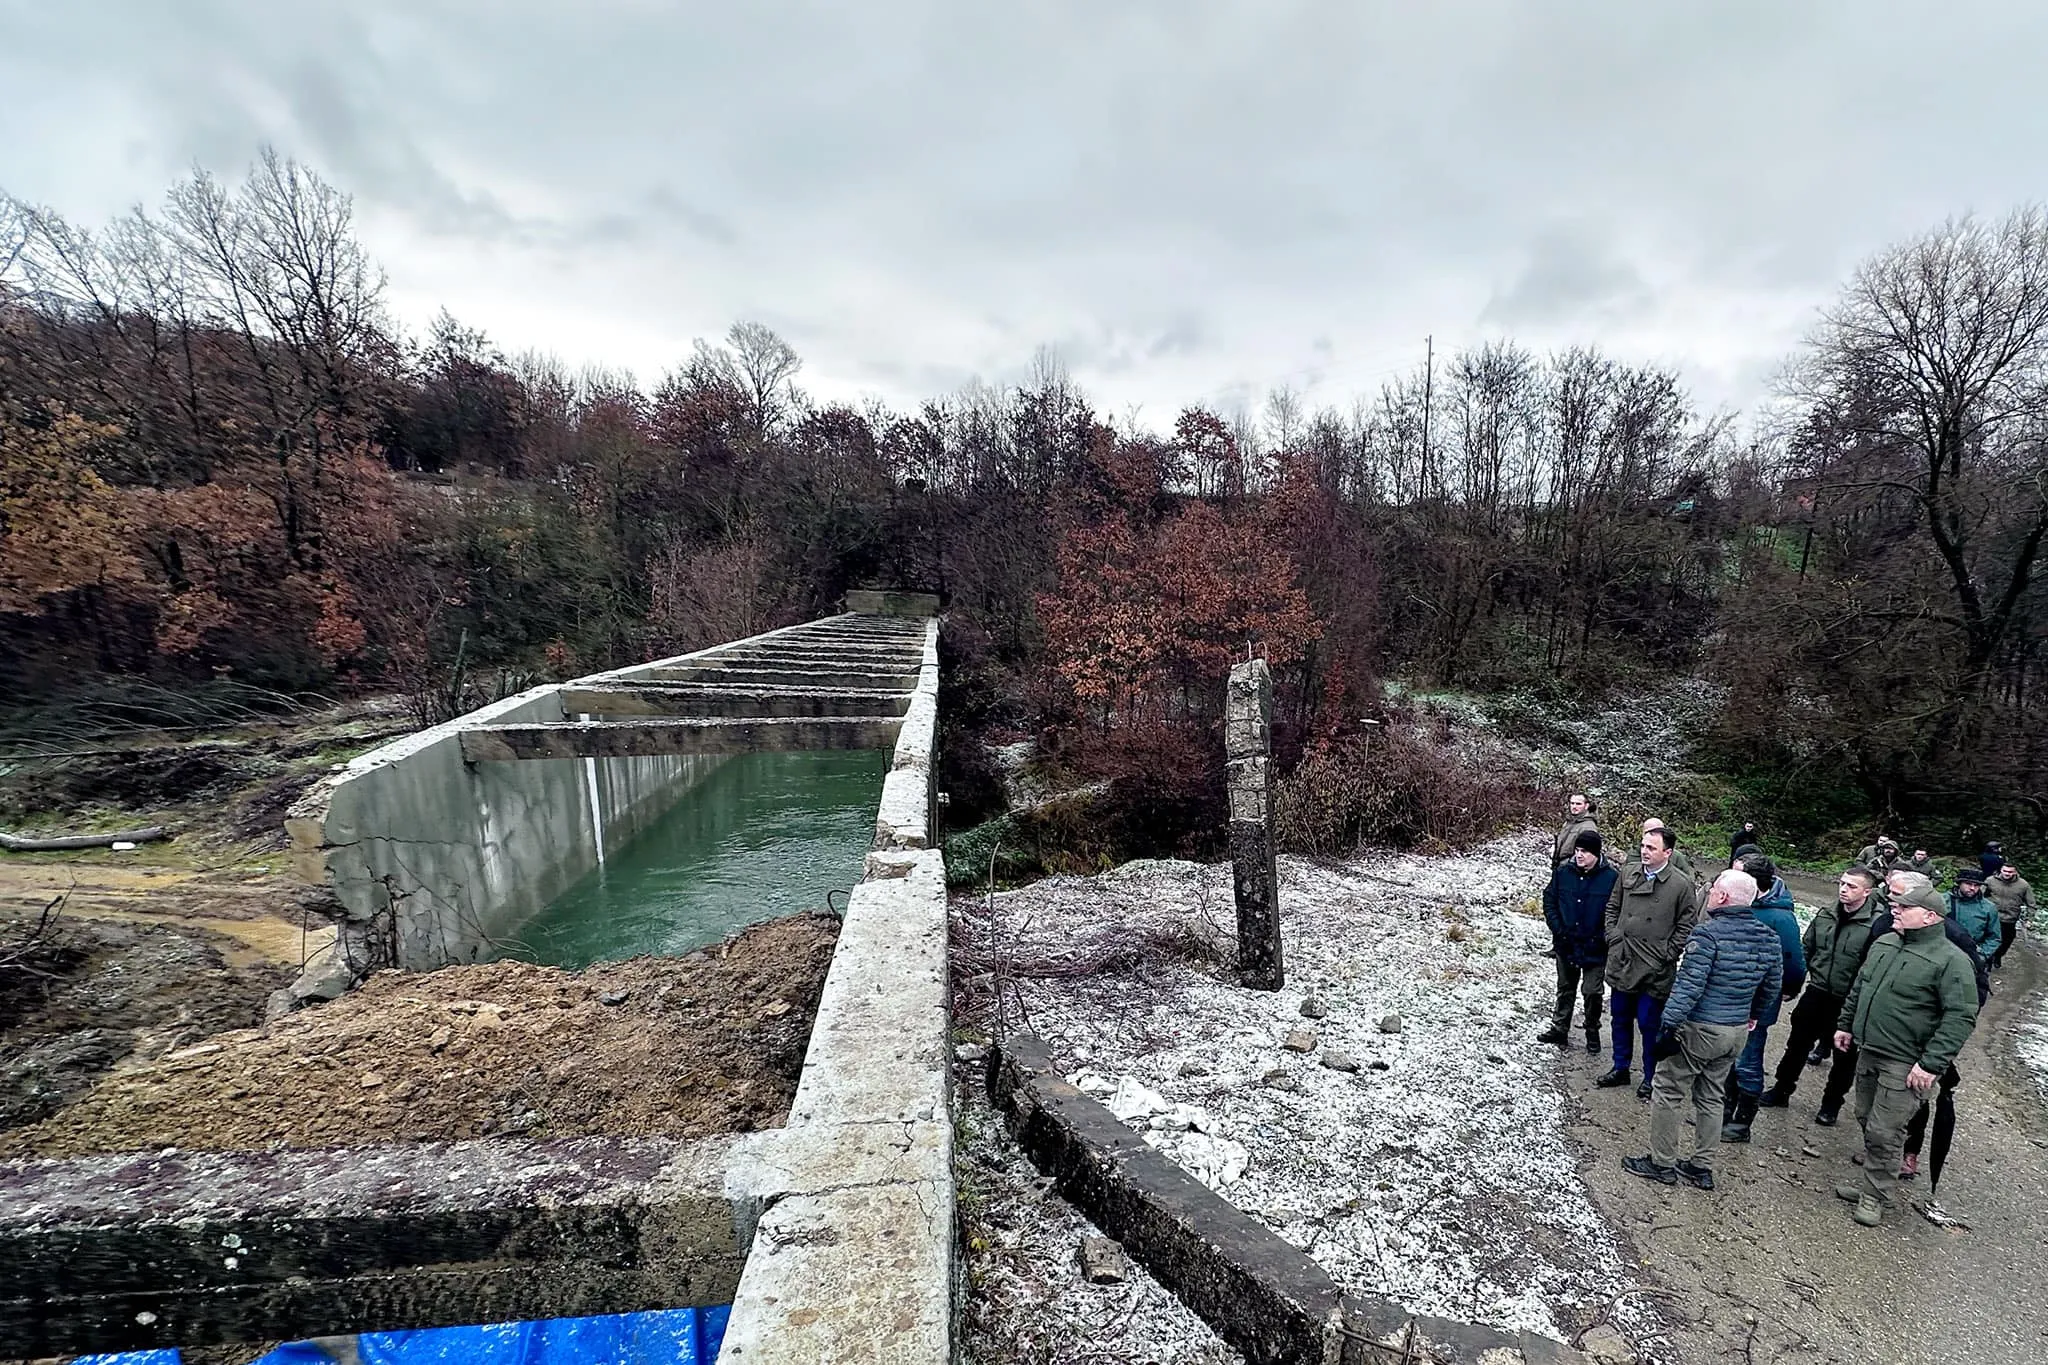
[1439, 1174]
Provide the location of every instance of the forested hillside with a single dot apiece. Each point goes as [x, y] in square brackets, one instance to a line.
[221, 458]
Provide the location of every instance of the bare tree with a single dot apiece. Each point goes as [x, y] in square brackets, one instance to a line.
[1936, 359]
[756, 363]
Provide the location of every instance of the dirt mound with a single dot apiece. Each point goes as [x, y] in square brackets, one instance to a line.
[713, 1042]
[80, 995]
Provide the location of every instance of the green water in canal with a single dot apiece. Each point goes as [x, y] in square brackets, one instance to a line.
[763, 835]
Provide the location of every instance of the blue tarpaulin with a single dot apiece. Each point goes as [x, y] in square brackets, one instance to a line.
[676, 1336]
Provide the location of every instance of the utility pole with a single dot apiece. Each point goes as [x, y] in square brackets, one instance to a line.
[1428, 384]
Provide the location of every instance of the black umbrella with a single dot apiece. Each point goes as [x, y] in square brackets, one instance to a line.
[1943, 1106]
[1944, 1132]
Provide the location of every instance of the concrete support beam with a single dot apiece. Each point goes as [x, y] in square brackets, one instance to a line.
[1260, 1293]
[192, 1248]
[709, 699]
[647, 738]
[884, 602]
[771, 676]
[1247, 748]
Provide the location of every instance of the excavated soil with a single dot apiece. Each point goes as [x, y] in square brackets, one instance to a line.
[78, 996]
[710, 1043]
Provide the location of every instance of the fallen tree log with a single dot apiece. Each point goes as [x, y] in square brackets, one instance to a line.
[56, 843]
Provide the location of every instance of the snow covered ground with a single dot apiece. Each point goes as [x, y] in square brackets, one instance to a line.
[1437, 1173]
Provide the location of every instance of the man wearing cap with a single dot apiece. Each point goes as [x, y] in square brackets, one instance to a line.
[2014, 898]
[1650, 913]
[1833, 945]
[1976, 912]
[1575, 908]
[1909, 1012]
[1728, 978]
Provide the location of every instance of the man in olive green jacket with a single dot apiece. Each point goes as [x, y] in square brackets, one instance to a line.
[2014, 898]
[1834, 943]
[1649, 917]
[1909, 1012]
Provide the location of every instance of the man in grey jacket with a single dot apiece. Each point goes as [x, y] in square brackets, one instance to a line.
[1730, 977]
[1579, 817]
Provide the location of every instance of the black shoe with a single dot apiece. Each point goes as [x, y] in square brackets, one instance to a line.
[1734, 1132]
[1699, 1177]
[1593, 1042]
[1827, 1115]
[1554, 1035]
[1643, 1090]
[1774, 1098]
[1650, 1170]
[1618, 1076]
[1818, 1055]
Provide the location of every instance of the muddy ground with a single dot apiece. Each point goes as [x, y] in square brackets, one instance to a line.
[80, 995]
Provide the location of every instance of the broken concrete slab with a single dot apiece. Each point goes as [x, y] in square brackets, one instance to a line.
[190, 1248]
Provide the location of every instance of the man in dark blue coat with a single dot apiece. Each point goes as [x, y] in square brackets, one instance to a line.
[1575, 908]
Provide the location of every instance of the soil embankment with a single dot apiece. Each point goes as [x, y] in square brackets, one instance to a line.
[713, 1042]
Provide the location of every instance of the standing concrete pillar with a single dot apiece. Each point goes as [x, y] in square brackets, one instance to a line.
[1247, 752]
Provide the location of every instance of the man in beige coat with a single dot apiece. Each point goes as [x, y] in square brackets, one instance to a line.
[1649, 917]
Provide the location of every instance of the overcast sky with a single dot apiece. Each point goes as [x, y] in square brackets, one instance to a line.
[1191, 200]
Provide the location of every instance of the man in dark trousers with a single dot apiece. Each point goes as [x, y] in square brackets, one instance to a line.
[1575, 908]
[2014, 897]
[1909, 1012]
[1728, 979]
[1834, 943]
[1944, 1099]
[1649, 915]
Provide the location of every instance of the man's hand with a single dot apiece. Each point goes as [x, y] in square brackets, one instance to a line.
[1920, 1080]
[1752, 1026]
[1844, 1040]
[1667, 1045]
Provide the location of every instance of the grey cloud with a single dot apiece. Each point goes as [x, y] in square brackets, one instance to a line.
[1572, 275]
[1178, 193]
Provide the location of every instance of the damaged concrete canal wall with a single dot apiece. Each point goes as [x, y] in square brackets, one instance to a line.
[428, 858]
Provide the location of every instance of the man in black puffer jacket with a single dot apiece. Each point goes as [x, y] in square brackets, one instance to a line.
[1575, 908]
[1730, 975]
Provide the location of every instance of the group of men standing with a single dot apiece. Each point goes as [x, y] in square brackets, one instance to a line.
[1694, 965]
